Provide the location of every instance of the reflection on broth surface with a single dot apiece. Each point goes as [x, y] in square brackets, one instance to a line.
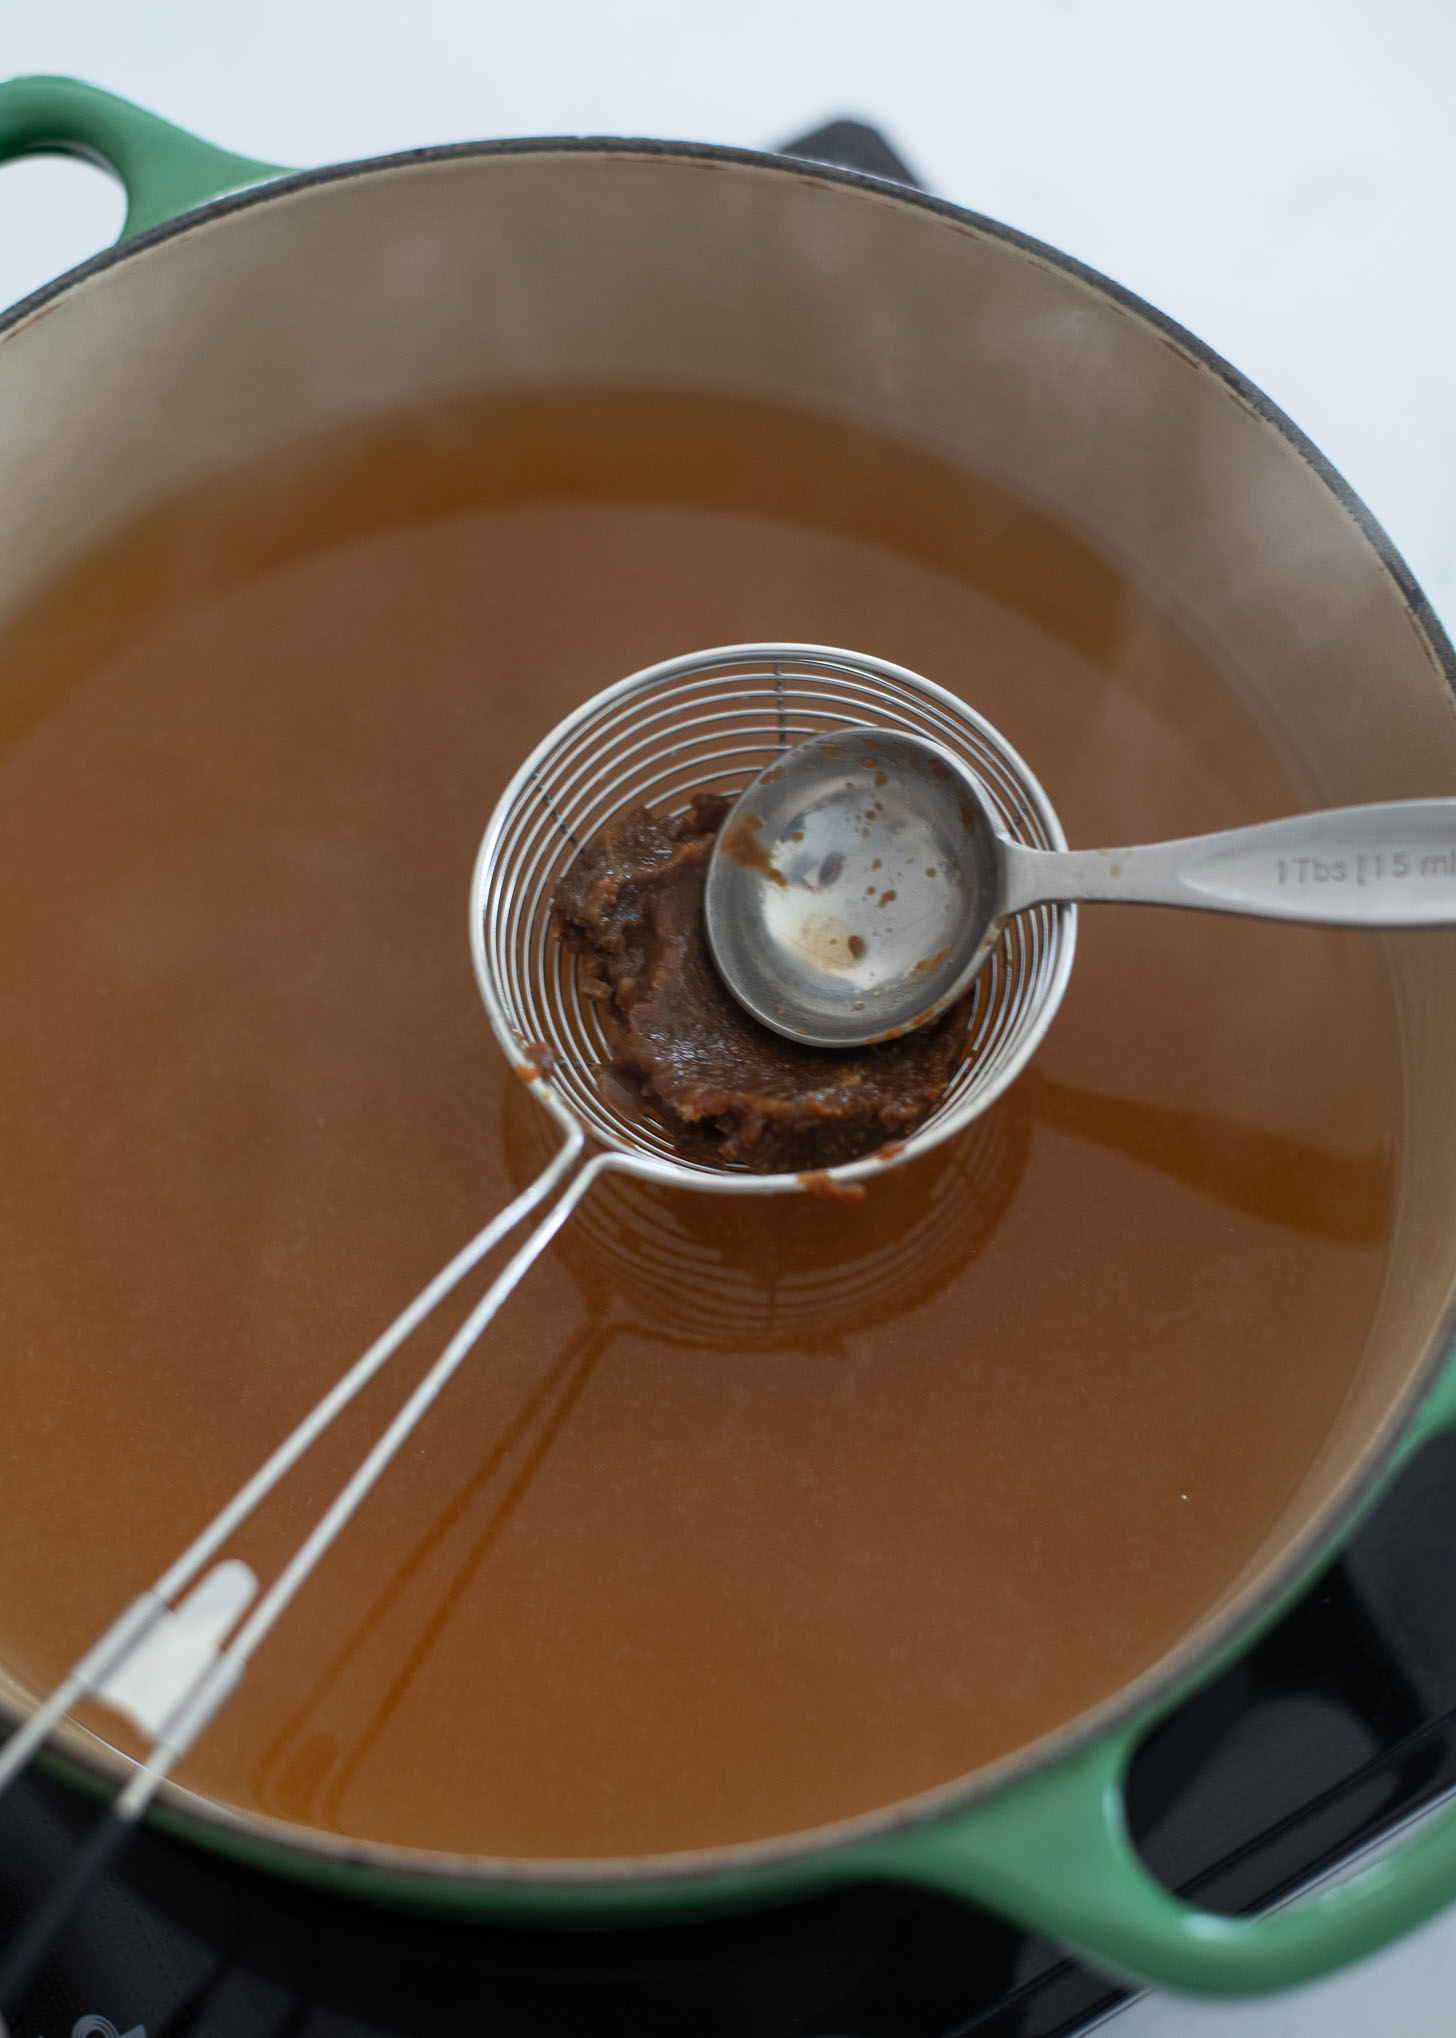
[750, 1514]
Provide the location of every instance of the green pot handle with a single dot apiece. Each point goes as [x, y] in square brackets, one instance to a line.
[1055, 1854]
[163, 169]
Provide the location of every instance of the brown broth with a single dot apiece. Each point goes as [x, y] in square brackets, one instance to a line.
[746, 1517]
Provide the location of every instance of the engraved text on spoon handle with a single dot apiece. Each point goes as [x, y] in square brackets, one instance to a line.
[1377, 866]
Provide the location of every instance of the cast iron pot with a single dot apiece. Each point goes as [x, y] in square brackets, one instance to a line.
[223, 326]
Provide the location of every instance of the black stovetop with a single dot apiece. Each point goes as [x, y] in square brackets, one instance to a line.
[1331, 1730]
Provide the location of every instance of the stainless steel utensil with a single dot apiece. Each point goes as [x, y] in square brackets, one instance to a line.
[865, 878]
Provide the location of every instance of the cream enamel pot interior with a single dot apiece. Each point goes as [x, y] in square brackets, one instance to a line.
[307, 301]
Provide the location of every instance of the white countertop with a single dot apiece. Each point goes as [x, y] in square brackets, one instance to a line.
[1279, 175]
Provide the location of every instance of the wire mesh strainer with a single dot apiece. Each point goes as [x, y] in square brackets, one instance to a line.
[708, 722]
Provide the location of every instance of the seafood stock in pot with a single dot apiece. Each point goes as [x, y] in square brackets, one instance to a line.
[750, 1516]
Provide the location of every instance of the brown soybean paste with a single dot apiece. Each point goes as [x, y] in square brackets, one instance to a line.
[745, 1518]
[726, 1088]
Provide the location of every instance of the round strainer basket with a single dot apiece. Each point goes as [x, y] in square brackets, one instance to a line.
[710, 722]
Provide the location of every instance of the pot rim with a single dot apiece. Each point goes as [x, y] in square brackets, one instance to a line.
[1136, 1705]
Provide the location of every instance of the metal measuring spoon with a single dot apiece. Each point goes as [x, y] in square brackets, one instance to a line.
[862, 879]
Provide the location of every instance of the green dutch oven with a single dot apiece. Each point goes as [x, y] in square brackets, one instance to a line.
[176, 356]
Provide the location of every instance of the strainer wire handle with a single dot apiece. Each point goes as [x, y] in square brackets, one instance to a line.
[132, 1625]
[202, 1699]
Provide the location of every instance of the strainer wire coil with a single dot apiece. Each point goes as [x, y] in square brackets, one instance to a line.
[710, 722]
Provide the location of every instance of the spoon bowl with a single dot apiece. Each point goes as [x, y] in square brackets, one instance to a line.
[854, 889]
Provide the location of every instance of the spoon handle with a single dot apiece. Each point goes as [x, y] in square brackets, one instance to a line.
[1378, 866]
